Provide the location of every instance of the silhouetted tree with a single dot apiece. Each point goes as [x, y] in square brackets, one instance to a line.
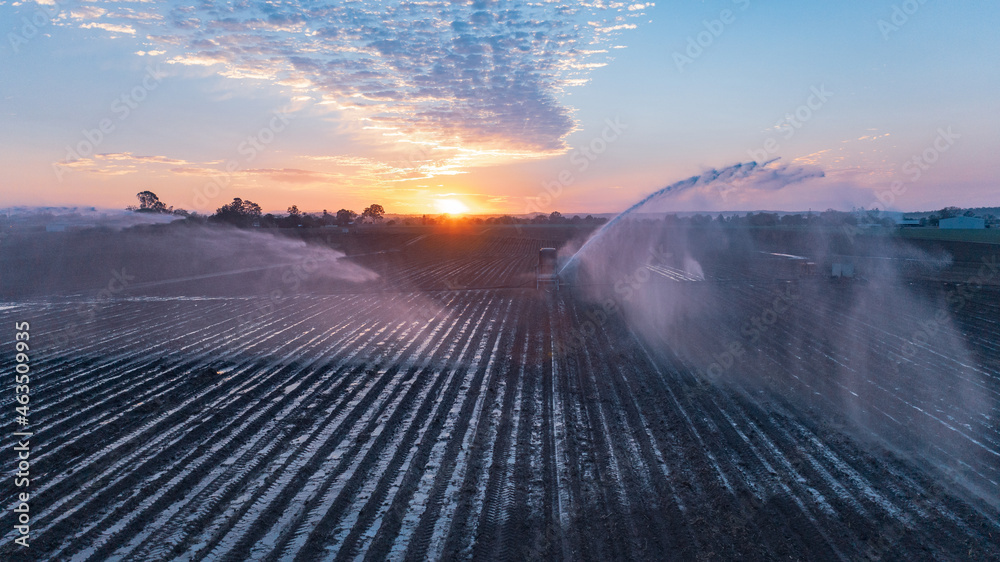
[374, 212]
[149, 203]
[294, 219]
[240, 213]
[345, 217]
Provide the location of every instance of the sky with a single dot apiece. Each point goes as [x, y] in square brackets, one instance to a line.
[497, 106]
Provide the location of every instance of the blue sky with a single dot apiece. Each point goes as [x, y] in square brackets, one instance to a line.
[503, 106]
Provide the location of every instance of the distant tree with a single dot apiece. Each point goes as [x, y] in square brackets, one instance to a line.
[556, 217]
[149, 203]
[762, 219]
[310, 221]
[701, 220]
[240, 213]
[949, 212]
[294, 219]
[374, 213]
[793, 220]
[345, 217]
[838, 218]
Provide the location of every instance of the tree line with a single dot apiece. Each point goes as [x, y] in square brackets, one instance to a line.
[244, 213]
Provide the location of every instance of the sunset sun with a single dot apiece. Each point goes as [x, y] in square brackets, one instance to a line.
[452, 207]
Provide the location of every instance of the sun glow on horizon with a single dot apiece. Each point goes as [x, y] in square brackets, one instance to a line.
[452, 207]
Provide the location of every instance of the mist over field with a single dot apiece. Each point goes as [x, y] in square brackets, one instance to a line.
[178, 258]
[881, 355]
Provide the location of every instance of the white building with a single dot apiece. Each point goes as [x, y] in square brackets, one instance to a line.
[963, 223]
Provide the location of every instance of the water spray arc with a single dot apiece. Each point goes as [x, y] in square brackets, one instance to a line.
[758, 175]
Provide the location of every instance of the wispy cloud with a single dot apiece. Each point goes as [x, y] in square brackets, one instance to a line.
[118, 163]
[344, 172]
[112, 27]
[864, 160]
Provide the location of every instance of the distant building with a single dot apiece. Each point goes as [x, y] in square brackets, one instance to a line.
[907, 223]
[967, 223]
